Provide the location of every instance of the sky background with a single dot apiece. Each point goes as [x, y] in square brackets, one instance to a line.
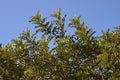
[97, 14]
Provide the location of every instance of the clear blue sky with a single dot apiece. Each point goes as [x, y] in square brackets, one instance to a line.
[98, 14]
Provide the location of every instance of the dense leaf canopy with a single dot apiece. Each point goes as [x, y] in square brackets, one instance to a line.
[76, 56]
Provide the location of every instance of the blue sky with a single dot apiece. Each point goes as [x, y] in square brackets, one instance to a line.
[97, 14]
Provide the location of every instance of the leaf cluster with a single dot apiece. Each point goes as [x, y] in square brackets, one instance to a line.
[77, 56]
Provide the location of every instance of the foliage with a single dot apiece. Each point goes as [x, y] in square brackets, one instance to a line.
[77, 56]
